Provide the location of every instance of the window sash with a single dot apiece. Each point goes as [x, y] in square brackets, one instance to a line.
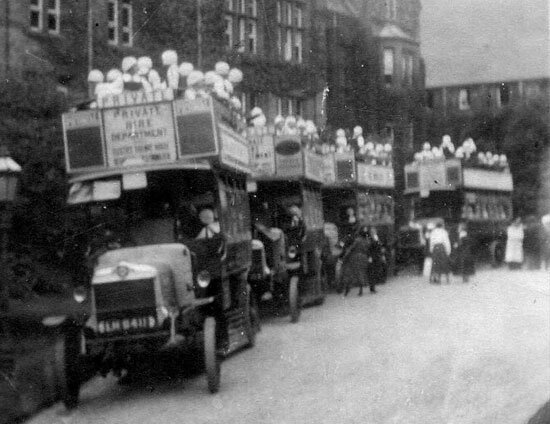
[288, 44]
[299, 16]
[464, 99]
[229, 5]
[298, 46]
[229, 31]
[279, 12]
[242, 34]
[288, 13]
[112, 21]
[36, 15]
[252, 36]
[127, 24]
[388, 62]
[53, 15]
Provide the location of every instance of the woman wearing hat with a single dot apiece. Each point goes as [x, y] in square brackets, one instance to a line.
[514, 244]
[440, 249]
[356, 261]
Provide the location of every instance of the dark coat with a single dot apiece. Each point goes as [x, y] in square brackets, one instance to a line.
[355, 263]
[463, 256]
[377, 265]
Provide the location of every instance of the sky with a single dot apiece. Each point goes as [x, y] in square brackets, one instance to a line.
[473, 41]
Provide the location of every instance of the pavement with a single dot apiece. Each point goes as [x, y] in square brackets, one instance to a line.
[412, 353]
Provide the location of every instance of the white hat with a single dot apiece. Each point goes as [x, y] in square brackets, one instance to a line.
[128, 62]
[169, 57]
[210, 78]
[369, 145]
[446, 139]
[256, 111]
[95, 75]
[387, 147]
[235, 76]
[418, 156]
[357, 131]
[426, 146]
[279, 120]
[144, 64]
[340, 133]
[195, 77]
[459, 152]
[222, 68]
[185, 69]
[113, 75]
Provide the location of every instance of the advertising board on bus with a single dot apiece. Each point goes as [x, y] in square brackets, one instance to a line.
[133, 129]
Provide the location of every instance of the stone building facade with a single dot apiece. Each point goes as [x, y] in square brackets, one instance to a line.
[490, 96]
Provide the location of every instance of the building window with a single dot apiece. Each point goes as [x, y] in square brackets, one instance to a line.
[388, 66]
[391, 9]
[120, 23]
[408, 69]
[464, 99]
[35, 16]
[287, 106]
[503, 94]
[229, 32]
[247, 26]
[289, 31]
[127, 23]
[112, 21]
[242, 35]
[251, 31]
[430, 99]
[52, 16]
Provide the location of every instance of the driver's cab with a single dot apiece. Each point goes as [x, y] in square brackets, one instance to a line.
[165, 226]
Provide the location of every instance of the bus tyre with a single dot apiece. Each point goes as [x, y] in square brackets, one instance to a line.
[211, 359]
[294, 299]
[72, 376]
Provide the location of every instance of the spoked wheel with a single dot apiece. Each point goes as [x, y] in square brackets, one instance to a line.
[294, 299]
[72, 375]
[211, 359]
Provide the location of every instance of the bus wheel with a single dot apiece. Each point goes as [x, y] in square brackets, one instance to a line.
[211, 360]
[294, 299]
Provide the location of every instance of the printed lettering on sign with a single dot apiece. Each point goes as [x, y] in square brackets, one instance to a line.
[140, 134]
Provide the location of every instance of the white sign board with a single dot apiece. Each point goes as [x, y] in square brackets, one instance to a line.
[375, 175]
[140, 134]
[487, 180]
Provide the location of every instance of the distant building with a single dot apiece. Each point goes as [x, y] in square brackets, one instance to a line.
[490, 96]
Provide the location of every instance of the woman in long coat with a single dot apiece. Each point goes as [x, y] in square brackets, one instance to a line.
[465, 263]
[377, 261]
[514, 245]
[440, 249]
[356, 261]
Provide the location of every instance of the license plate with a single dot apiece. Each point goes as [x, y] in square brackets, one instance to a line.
[126, 324]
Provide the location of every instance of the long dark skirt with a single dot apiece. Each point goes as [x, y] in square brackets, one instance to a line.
[441, 263]
[354, 270]
[465, 263]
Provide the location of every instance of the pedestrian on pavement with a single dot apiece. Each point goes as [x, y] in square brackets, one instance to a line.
[356, 261]
[440, 249]
[465, 263]
[514, 244]
[377, 268]
[532, 242]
